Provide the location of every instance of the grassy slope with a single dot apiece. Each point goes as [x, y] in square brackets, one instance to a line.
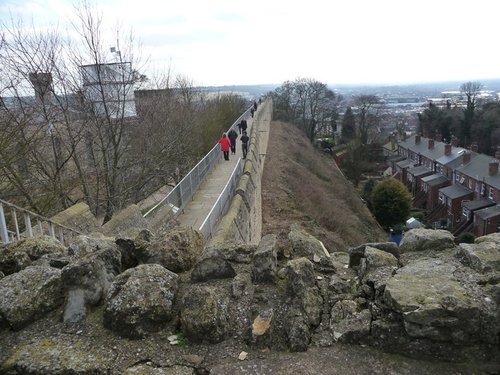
[303, 185]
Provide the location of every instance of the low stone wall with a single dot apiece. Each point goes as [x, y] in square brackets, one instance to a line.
[243, 221]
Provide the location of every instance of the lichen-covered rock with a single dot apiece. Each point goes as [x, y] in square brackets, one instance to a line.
[421, 239]
[358, 252]
[79, 217]
[348, 324]
[18, 255]
[29, 294]
[132, 242]
[204, 313]
[492, 237]
[88, 279]
[375, 258]
[51, 357]
[212, 265]
[129, 217]
[482, 257]
[177, 250]
[299, 276]
[435, 305]
[145, 369]
[298, 334]
[305, 245]
[84, 245]
[305, 303]
[140, 300]
[265, 259]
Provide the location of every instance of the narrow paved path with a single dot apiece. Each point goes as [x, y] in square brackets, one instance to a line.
[205, 197]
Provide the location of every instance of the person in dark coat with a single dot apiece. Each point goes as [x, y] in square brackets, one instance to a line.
[225, 145]
[233, 136]
[243, 126]
[244, 144]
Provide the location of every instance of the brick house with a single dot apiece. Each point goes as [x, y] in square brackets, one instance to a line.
[414, 178]
[431, 186]
[452, 197]
[487, 221]
[454, 184]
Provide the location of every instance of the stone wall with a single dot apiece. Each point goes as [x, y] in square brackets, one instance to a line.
[243, 221]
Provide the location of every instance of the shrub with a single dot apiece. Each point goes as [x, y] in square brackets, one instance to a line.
[465, 237]
[391, 202]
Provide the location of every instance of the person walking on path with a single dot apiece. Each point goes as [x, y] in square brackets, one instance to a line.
[243, 126]
[233, 136]
[244, 144]
[225, 145]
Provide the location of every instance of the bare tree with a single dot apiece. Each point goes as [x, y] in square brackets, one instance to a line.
[368, 115]
[306, 102]
[470, 90]
[91, 133]
[33, 158]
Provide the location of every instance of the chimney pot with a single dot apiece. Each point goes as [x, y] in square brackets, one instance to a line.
[447, 149]
[417, 139]
[493, 167]
[474, 147]
[431, 143]
[466, 157]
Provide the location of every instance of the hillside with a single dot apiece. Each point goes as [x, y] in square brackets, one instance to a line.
[301, 184]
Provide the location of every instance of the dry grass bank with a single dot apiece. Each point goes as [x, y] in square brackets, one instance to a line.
[303, 185]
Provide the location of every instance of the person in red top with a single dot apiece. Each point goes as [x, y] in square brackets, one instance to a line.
[225, 145]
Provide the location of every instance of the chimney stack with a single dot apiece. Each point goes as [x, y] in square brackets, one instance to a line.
[42, 83]
[417, 139]
[431, 143]
[473, 147]
[497, 153]
[493, 167]
[466, 157]
[447, 149]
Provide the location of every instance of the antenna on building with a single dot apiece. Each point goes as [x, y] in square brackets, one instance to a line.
[117, 53]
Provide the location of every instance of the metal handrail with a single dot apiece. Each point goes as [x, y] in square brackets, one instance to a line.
[10, 230]
[222, 204]
[178, 198]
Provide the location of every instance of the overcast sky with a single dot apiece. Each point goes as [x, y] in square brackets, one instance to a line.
[226, 42]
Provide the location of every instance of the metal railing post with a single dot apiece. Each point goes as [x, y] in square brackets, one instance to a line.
[14, 234]
[16, 224]
[3, 226]
[27, 222]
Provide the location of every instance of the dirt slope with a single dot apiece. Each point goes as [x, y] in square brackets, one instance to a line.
[302, 184]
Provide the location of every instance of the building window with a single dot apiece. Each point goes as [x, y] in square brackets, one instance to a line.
[471, 186]
[465, 212]
[457, 177]
[442, 198]
[490, 193]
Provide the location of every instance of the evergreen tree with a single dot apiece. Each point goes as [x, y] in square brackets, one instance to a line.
[348, 125]
[391, 202]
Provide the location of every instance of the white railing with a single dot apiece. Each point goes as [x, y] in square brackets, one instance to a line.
[11, 230]
[222, 204]
[183, 192]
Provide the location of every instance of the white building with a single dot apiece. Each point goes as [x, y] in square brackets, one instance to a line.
[110, 88]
